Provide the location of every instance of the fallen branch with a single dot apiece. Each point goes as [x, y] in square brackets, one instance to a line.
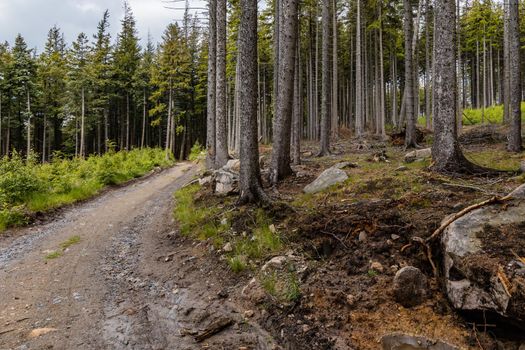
[214, 328]
[465, 211]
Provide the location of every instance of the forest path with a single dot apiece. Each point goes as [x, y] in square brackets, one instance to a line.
[129, 283]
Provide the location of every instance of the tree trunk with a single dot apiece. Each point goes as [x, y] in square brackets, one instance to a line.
[82, 124]
[513, 42]
[43, 139]
[221, 142]
[446, 152]
[410, 140]
[297, 108]
[325, 83]
[427, 66]
[335, 111]
[127, 121]
[358, 76]
[382, 130]
[250, 184]
[211, 101]
[280, 164]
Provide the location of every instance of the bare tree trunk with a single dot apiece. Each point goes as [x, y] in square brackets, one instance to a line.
[359, 77]
[335, 111]
[427, 66]
[280, 164]
[513, 42]
[459, 116]
[446, 152]
[410, 140]
[221, 141]
[297, 108]
[211, 101]
[382, 130]
[250, 174]
[325, 83]
[506, 65]
[28, 125]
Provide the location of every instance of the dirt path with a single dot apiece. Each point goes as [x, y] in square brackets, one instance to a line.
[129, 283]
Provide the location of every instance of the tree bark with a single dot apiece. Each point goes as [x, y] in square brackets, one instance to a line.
[410, 139]
[358, 76]
[446, 152]
[297, 108]
[280, 164]
[221, 142]
[513, 42]
[325, 83]
[335, 112]
[211, 101]
[250, 183]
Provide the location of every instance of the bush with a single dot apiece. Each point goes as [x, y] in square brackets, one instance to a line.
[197, 152]
[40, 187]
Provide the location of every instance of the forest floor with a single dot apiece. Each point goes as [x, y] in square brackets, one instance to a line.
[115, 272]
[342, 247]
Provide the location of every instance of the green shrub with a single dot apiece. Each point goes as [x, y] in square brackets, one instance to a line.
[197, 151]
[40, 187]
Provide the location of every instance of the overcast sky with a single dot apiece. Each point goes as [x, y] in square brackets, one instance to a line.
[33, 18]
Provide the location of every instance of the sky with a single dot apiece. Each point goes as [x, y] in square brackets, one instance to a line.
[33, 18]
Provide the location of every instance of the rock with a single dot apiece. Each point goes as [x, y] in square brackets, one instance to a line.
[362, 236]
[410, 286]
[233, 165]
[307, 154]
[275, 263]
[519, 192]
[418, 154]
[399, 341]
[248, 314]
[205, 180]
[306, 328]
[522, 347]
[350, 299]
[376, 266]
[224, 221]
[401, 168]
[480, 281]
[395, 237]
[228, 248]
[272, 228]
[254, 292]
[225, 182]
[344, 165]
[35, 333]
[329, 177]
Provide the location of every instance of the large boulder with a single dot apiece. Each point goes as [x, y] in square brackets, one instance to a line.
[329, 177]
[226, 182]
[418, 154]
[483, 259]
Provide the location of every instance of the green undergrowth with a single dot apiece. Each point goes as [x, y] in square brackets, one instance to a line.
[27, 186]
[477, 116]
[284, 287]
[248, 232]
